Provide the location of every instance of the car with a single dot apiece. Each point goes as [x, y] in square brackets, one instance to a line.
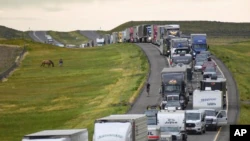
[205, 56]
[172, 130]
[206, 52]
[209, 71]
[198, 65]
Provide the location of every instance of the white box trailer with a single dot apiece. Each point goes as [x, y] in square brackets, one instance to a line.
[58, 135]
[172, 117]
[208, 100]
[127, 127]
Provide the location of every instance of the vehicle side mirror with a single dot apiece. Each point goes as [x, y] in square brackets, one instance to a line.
[160, 90]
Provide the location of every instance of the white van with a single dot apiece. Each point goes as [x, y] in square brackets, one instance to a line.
[195, 121]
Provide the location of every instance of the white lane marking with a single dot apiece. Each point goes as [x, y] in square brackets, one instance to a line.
[217, 135]
[34, 33]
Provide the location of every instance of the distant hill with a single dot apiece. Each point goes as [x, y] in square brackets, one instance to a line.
[210, 27]
[9, 33]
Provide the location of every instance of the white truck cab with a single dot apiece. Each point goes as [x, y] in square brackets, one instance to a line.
[195, 121]
[215, 118]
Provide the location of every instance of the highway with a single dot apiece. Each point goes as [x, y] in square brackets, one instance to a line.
[39, 36]
[157, 63]
[91, 35]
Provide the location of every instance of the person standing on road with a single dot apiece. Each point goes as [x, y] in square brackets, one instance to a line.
[148, 88]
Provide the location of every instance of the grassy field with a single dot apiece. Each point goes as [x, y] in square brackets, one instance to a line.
[235, 54]
[187, 27]
[9, 33]
[85, 88]
[8, 56]
[73, 37]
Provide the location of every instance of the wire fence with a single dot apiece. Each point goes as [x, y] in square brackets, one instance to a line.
[17, 62]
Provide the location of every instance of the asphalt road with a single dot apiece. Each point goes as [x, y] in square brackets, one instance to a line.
[92, 35]
[39, 36]
[157, 63]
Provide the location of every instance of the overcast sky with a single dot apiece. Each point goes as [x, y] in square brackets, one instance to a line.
[67, 15]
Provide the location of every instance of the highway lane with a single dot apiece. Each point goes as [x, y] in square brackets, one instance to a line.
[39, 36]
[157, 63]
[92, 35]
[223, 133]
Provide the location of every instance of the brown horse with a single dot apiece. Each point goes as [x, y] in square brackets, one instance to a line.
[47, 62]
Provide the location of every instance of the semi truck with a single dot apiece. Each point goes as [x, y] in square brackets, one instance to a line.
[173, 117]
[58, 135]
[49, 39]
[172, 30]
[135, 34]
[154, 33]
[177, 43]
[176, 81]
[143, 33]
[131, 34]
[127, 127]
[160, 34]
[100, 41]
[198, 43]
[107, 38]
[149, 32]
[120, 37]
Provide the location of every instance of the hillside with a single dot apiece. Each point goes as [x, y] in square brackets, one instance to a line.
[8, 55]
[73, 37]
[187, 27]
[9, 33]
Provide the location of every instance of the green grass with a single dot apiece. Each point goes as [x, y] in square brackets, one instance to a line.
[9, 33]
[73, 37]
[89, 86]
[187, 27]
[235, 55]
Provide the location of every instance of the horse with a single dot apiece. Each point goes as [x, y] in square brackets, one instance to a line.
[48, 62]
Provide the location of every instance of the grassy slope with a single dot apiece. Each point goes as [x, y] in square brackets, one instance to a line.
[187, 27]
[87, 87]
[8, 56]
[73, 37]
[235, 55]
[9, 33]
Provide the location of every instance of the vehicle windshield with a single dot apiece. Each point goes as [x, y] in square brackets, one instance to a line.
[178, 51]
[210, 113]
[199, 63]
[152, 121]
[200, 46]
[192, 116]
[169, 129]
[172, 88]
[180, 44]
[99, 43]
[200, 58]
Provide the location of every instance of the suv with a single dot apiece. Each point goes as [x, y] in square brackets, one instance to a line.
[195, 121]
